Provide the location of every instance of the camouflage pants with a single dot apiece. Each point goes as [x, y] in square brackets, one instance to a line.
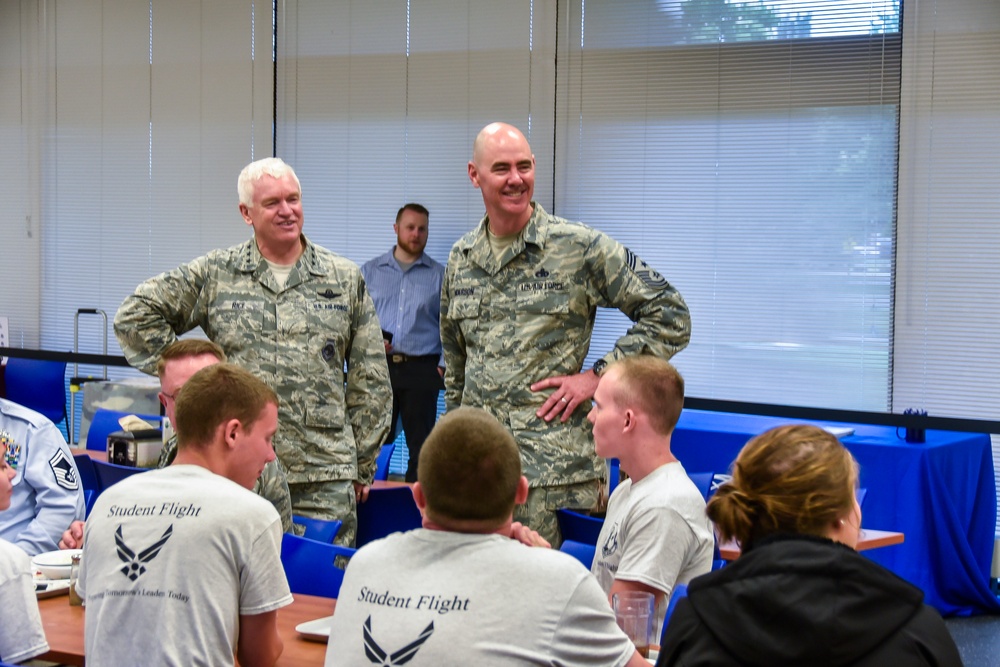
[329, 500]
[539, 512]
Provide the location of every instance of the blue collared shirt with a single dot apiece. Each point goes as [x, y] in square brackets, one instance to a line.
[408, 304]
[47, 493]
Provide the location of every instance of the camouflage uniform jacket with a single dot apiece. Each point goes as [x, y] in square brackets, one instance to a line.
[271, 485]
[506, 324]
[296, 339]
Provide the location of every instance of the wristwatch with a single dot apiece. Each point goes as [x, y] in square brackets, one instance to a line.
[599, 366]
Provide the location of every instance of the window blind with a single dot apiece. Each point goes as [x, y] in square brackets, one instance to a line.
[379, 102]
[947, 306]
[747, 153]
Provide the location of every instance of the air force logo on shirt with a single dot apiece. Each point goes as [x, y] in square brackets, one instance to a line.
[64, 471]
[135, 562]
[378, 655]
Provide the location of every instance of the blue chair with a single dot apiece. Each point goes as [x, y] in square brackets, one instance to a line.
[105, 422]
[310, 566]
[38, 385]
[109, 474]
[703, 481]
[382, 463]
[578, 527]
[388, 510]
[580, 551]
[88, 479]
[614, 475]
[321, 530]
[680, 591]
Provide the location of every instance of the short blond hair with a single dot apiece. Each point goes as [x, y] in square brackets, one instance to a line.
[189, 347]
[213, 396]
[653, 386]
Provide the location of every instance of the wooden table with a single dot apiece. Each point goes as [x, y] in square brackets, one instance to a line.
[869, 539]
[64, 629]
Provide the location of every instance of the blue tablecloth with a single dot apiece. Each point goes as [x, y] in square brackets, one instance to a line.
[941, 494]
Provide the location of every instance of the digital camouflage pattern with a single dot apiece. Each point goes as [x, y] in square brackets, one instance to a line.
[509, 323]
[271, 485]
[296, 339]
[328, 501]
[539, 511]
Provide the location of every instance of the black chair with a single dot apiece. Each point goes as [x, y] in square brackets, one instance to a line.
[311, 567]
[387, 510]
[38, 385]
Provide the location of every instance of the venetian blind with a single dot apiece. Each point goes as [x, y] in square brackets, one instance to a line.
[748, 152]
[379, 102]
[149, 110]
[947, 306]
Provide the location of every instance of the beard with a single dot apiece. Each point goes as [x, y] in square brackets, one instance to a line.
[412, 248]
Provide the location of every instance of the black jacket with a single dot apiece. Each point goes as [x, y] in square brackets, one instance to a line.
[798, 600]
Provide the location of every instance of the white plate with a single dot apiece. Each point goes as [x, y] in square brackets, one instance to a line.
[55, 564]
[317, 630]
[653, 655]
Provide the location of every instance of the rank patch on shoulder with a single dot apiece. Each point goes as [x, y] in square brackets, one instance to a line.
[64, 471]
[645, 272]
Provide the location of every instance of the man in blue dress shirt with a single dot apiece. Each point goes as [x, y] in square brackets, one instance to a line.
[406, 286]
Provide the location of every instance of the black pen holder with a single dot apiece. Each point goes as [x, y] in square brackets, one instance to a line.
[914, 434]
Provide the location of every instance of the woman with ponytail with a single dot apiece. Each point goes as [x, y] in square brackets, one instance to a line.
[800, 594]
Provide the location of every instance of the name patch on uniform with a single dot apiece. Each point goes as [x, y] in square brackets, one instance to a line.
[64, 471]
[542, 286]
[464, 291]
[329, 306]
[645, 272]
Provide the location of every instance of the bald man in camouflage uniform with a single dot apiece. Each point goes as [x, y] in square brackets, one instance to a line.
[518, 303]
[292, 313]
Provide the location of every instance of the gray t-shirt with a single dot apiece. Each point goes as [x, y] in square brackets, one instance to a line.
[446, 598]
[21, 633]
[655, 532]
[171, 559]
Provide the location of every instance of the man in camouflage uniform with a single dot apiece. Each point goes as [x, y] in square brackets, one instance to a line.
[181, 360]
[517, 311]
[292, 313]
